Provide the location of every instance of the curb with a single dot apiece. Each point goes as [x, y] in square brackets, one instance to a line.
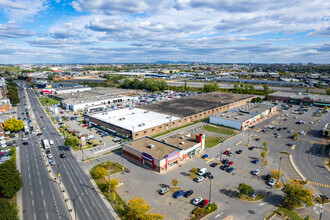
[295, 168]
[19, 194]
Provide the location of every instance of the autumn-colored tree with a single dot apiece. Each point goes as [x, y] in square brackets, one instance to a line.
[175, 182]
[100, 172]
[137, 208]
[114, 183]
[155, 216]
[275, 174]
[295, 136]
[263, 154]
[13, 125]
[265, 144]
[296, 195]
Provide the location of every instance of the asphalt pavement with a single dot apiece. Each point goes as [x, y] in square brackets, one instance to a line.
[41, 196]
[86, 201]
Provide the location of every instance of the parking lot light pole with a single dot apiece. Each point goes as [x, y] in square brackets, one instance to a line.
[279, 170]
[74, 205]
[249, 137]
[211, 177]
[221, 150]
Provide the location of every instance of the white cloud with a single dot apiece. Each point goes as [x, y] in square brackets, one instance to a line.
[24, 9]
[11, 30]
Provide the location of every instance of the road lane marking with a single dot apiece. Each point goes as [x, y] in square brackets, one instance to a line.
[44, 203]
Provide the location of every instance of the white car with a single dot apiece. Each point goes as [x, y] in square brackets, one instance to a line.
[52, 162]
[302, 132]
[272, 182]
[199, 179]
[197, 200]
[163, 191]
[277, 136]
[49, 156]
[256, 172]
[290, 131]
[201, 171]
[51, 142]
[295, 117]
[25, 139]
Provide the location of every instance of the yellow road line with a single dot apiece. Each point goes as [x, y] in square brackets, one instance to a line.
[182, 202]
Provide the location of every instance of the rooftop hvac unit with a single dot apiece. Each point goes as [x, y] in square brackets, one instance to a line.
[181, 137]
[151, 146]
[182, 142]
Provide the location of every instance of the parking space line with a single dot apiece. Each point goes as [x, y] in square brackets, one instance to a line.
[185, 200]
[165, 194]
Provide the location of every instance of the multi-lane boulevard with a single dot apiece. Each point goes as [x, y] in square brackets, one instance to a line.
[85, 199]
[41, 196]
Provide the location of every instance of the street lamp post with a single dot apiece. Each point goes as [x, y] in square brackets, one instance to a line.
[249, 138]
[323, 197]
[58, 170]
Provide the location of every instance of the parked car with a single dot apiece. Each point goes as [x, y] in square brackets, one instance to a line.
[52, 162]
[214, 164]
[256, 172]
[251, 148]
[49, 156]
[302, 132]
[224, 167]
[41, 116]
[272, 182]
[255, 161]
[188, 193]
[199, 179]
[178, 194]
[205, 156]
[225, 161]
[25, 143]
[257, 139]
[163, 191]
[290, 131]
[229, 154]
[197, 200]
[230, 163]
[204, 203]
[207, 174]
[267, 177]
[201, 171]
[230, 169]
[226, 152]
[239, 152]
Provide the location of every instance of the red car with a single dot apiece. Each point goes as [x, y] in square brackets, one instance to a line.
[84, 126]
[226, 152]
[230, 163]
[41, 116]
[204, 203]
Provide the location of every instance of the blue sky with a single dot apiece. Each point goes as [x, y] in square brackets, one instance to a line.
[127, 31]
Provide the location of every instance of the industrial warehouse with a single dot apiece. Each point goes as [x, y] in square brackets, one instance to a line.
[165, 155]
[155, 118]
[244, 116]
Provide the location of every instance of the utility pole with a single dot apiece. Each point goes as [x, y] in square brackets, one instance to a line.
[211, 177]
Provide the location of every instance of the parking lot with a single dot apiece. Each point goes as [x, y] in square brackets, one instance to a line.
[223, 186]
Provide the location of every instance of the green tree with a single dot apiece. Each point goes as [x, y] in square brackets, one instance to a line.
[296, 195]
[245, 189]
[263, 154]
[8, 210]
[266, 91]
[265, 144]
[328, 91]
[175, 182]
[13, 125]
[64, 118]
[50, 77]
[10, 179]
[137, 208]
[259, 99]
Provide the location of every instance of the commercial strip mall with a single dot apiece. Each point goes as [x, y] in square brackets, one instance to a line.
[162, 156]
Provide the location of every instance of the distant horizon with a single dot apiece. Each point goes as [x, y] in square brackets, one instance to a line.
[145, 31]
[170, 62]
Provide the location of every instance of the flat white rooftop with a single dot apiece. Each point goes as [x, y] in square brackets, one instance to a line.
[134, 119]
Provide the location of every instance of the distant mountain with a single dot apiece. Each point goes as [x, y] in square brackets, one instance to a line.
[164, 62]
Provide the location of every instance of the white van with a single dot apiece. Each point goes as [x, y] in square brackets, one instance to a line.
[201, 171]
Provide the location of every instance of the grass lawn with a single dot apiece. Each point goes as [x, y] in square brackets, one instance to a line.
[290, 213]
[109, 165]
[48, 101]
[218, 129]
[248, 198]
[211, 142]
